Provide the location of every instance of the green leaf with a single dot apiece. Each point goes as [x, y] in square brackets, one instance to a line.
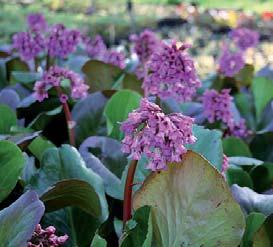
[262, 177]
[18, 221]
[245, 104]
[11, 165]
[209, 144]
[38, 146]
[102, 76]
[264, 237]
[235, 147]
[103, 155]
[25, 77]
[250, 201]
[141, 234]
[7, 119]
[261, 146]
[191, 205]
[66, 163]
[15, 64]
[43, 118]
[245, 75]
[253, 223]
[99, 75]
[262, 89]
[239, 176]
[244, 161]
[98, 241]
[88, 114]
[72, 192]
[117, 110]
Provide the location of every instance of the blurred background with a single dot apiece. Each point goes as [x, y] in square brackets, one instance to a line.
[202, 23]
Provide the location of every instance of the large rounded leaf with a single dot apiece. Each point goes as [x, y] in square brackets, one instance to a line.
[191, 205]
[11, 164]
[18, 221]
[66, 163]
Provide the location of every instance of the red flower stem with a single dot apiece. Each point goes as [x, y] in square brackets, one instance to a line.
[69, 120]
[128, 191]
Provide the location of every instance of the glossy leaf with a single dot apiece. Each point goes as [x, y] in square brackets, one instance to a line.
[11, 165]
[66, 163]
[7, 119]
[72, 192]
[117, 110]
[235, 147]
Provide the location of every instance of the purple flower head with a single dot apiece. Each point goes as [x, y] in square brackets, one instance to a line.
[114, 57]
[160, 137]
[245, 38]
[96, 47]
[62, 41]
[171, 73]
[53, 78]
[217, 106]
[238, 129]
[46, 238]
[28, 45]
[231, 62]
[36, 22]
[145, 44]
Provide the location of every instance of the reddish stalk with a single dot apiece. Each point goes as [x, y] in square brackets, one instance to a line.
[69, 121]
[128, 191]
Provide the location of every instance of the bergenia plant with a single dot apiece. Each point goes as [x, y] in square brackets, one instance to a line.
[155, 153]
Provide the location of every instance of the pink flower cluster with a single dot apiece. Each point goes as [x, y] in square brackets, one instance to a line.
[36, 22]
[58, 41]
[145, 44]
[160, 137]
[53, 78]
[231, 62]
[46, 238]
[97, 49]
[62, 41]
[217, 107]
[94, 47]
[238, 129]
[170, 72]
[29, 45]
[245, 38]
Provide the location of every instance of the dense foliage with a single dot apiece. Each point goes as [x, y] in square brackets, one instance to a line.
[107, 147]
